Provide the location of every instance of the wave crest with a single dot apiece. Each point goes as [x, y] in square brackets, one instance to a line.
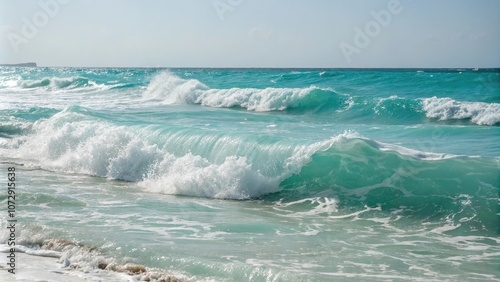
[448, 109]
[56, 83]
[351, 168]
[172, 89]
[73, 142]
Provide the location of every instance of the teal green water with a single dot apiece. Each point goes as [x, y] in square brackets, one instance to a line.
[261, 175]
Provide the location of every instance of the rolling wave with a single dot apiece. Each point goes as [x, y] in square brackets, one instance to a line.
[56, 83]
[171, 89]
[355, 170]
[462, 191]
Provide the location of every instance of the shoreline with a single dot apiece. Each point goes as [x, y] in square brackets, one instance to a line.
[62, 260]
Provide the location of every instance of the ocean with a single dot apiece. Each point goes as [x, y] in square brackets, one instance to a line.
[123, 174]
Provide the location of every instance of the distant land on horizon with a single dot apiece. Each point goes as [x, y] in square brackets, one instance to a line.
[26, 65]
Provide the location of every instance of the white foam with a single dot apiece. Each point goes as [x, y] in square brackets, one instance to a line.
[448, 109]
[70, 262]
[41, 253]
[75, 143]
[9, 82]
[259, 100]
[70, 142]
[51, 83]
[427, 156]
[321, 205]
[172, 89]
[195, 176]
[421, 155]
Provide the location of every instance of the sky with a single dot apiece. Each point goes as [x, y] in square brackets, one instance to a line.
[252, 33]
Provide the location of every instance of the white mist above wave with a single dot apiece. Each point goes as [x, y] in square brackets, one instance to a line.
[448, 109]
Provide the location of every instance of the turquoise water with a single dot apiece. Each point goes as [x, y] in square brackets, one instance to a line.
[261, 175]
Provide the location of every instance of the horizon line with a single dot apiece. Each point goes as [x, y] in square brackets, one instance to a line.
[269, 68]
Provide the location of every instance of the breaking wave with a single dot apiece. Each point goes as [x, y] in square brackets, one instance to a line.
[56, 83]
[354, 169]
[448, 109]
[171, 89]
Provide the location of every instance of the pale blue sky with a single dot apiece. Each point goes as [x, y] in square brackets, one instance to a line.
[251, 33]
